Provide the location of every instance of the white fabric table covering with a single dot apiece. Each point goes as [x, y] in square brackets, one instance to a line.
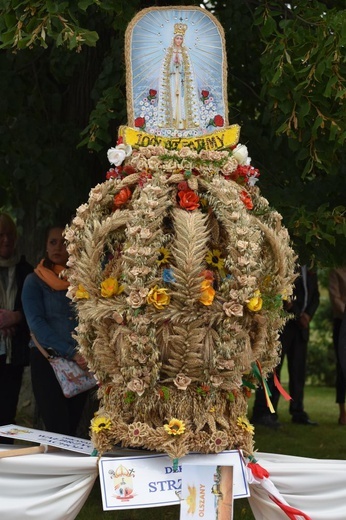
[45, 486]
[315, 486]
[56, 485]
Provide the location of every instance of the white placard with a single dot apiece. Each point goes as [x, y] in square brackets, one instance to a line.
[207, 493]
[65, 442]
[141, 481]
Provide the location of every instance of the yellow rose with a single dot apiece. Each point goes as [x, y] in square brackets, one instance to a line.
[110, 287]
[208, 292]
[82, 292]
[158, 297]
[255, 303]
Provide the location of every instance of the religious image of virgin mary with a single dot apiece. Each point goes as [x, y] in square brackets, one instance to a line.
[178, 105]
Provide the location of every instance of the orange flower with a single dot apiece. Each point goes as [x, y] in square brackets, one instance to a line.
[121, 198]
[246, 199]
[208, 292]
[188, 200]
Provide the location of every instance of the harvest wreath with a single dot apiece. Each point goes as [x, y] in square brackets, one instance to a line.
[178, 268]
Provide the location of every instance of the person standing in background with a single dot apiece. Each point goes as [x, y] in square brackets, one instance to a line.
[337, 295]
[294, 340]
[51, 318]
[14, 332]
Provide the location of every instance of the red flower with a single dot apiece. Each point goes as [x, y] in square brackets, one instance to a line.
[121, 198]
[246, 199]
[257, 470]
[144, 177]
[205, 94]
[218, 120]
[120, 140]
[188, 200]
[114, 173]
[139, 122]
[152, 93]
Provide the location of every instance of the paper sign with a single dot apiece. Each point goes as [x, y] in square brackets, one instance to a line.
[207, 492]
[58, 440]
[149, 480]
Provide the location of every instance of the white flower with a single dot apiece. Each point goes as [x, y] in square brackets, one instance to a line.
[240, 153]
[126, 147]
[116, 156]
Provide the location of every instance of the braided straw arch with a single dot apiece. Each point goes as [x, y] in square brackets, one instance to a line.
[178, 335]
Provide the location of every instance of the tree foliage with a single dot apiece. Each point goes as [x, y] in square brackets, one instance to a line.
[63, 96]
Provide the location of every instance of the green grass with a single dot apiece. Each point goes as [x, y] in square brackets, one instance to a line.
[326, 441]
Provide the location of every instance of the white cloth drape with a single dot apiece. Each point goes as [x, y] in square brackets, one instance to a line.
[316, 487]
[56, 485]
[45, 486]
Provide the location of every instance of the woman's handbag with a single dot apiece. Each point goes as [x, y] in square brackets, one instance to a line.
[71, 377]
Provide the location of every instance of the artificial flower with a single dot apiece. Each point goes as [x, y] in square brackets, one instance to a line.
[110, 287]
[152, 94]
[137, 385]
[214, 258]
[136, 298]
[136, 432]
[208, 275]
[114, 173]
[182, 381]
[243, 422]
[82, 292]
[218, 442]
[217, 121]
[126, 147]
[168, 276]
[116, 156]
[100, 423]
[240, 153]
[246, 199]
[256, 302]
[121, 198]
[158, 297]
[163, 257]
[233, 309]
[188, 200]
[208, 292]
[175, 427]
[140, 122]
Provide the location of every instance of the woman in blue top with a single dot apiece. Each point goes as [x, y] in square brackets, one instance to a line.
[52, 320]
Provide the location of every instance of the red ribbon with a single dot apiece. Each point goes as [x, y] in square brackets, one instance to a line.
[291, 512]
[282, 391]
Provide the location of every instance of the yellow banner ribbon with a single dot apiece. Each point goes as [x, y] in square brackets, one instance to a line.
[223, 138]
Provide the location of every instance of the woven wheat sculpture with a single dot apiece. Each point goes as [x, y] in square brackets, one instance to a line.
[178, 268]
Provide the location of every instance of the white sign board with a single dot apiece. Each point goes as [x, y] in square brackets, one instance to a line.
[65, 442]
[149, 480]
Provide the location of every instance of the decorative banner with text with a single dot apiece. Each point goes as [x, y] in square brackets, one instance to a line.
[149, 481]
[219, 139]
[65, 442]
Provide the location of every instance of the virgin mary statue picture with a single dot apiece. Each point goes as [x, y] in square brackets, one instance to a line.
[174, 84]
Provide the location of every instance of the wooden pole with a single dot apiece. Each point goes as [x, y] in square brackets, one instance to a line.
[26, 451]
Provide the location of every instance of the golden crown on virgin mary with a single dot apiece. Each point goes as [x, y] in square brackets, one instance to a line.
[178, 265]
[180, 28]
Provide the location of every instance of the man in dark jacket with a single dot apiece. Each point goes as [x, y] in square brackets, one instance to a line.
[294, 341]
